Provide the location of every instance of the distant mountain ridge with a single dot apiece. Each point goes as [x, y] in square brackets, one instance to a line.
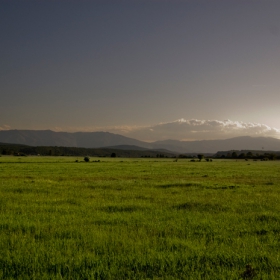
[107, 139]
[213, 146]
[66, 139]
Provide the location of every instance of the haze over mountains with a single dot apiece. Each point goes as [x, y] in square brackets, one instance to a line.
[197, 129]
[106, 139]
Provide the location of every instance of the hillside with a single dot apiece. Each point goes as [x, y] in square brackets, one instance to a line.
[116, 141]
[213, 146]
[66, 139]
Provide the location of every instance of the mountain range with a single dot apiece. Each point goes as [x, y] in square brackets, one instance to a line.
[106, 139]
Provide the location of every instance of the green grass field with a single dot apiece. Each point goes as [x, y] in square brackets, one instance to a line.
[138, 219]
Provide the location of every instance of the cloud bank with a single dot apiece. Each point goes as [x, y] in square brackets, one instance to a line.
[182, 129]
[5, 127]
[198, 130]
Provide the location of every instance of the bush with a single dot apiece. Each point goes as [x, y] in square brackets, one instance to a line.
[86, 159]
[200, 157]
[265, 159]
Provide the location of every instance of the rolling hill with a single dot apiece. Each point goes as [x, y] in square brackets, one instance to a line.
[106, 139]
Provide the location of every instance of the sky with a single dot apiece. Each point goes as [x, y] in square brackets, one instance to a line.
[149, 69]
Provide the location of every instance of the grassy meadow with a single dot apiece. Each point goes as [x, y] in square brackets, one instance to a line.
[139, 219]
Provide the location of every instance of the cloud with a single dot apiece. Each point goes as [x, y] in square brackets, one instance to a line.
[195, 129]
[5, 127]
[183, 129]
[121, 129]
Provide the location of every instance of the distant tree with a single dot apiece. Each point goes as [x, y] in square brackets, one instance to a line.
[242, 155]
[200, 157]
[270, 156]
[86, 159]
[160, 156]
[113, 155]
[249, 155]
[234, 155]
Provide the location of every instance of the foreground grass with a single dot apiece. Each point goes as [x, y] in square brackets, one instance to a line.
[138, 219]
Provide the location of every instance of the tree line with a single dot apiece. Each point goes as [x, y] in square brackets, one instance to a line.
[257, 155]
[23, 150]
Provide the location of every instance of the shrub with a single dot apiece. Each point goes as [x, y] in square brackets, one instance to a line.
[200, 157]
[265, 159]
[86, 159]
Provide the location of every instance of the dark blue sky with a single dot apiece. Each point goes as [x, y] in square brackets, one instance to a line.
[79, 65]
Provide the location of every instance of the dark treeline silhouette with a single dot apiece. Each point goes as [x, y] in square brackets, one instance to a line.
[23, 150]
[257, 155]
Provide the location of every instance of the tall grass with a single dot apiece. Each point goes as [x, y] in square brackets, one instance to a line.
[138, 219]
